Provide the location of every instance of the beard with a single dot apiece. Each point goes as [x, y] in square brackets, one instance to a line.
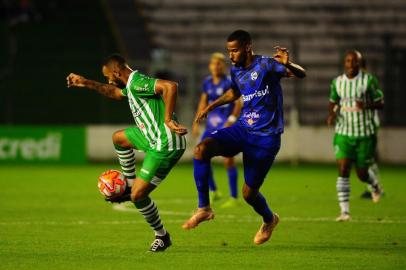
[118, 83]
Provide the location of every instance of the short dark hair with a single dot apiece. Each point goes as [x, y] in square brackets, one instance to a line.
[243, 37]
[116, 59]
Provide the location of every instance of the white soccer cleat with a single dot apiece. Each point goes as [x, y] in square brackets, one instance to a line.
[200, 215]
[343, 217]
[265, 231]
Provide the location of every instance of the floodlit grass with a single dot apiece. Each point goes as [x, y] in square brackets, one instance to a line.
[52, 217]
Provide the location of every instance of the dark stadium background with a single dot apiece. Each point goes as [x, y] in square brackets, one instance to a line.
[41, 41]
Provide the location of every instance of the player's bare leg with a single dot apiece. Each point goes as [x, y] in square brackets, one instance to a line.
[367, 177]
[265, 231]
[204, 151]
[343, 189]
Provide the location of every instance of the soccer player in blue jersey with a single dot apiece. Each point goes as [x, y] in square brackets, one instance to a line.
[257, 134]
[214, 86]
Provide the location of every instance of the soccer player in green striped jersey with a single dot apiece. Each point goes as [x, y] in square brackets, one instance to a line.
[156, 132]
[373, 168]
[354, 96]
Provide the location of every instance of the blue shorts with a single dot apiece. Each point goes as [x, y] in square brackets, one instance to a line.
[258, 152]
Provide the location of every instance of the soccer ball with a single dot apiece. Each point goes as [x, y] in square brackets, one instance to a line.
[112, 183]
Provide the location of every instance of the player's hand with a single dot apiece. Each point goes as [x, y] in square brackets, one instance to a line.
[195, 130]
[281, 55]
[201, 115]
[360, 105]
[331, 119]
[228, 124]
[176, 127]
[74, 80]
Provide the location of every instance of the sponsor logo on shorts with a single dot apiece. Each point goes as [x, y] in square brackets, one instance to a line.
[144, 171]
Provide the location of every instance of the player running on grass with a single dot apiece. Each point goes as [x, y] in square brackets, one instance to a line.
[353, 98]
[214, 86]
[152, 103]
[257, 134]
[373, 168]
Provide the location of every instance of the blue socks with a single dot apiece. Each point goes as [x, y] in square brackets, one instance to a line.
[202, 169]
[232, 181]
[212, 184]
[261, 207]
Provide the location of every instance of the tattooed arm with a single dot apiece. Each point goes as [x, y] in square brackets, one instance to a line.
[108, 90]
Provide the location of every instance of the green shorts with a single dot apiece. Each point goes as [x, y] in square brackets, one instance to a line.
[360, 150]
[156, 165]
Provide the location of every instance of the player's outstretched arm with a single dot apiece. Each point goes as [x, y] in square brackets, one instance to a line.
[169, 92]
[282, 56]
[228, 97]
[108, 90]
[235, 113]
[202, 104]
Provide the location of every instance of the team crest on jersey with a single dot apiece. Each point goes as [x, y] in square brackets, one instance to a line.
[219, 91]
[254, 75]
[251, 117]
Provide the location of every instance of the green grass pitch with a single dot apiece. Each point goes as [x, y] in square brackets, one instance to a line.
[52, 217]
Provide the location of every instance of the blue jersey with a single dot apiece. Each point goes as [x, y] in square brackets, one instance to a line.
[259, 85]
[218, 117]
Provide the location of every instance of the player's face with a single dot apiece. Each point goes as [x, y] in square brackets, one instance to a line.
[217, 67]
[112, 78]
[237, 53]
[351, 65]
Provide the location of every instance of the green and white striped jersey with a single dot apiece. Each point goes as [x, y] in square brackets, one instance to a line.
[352, 121]
[148, 110]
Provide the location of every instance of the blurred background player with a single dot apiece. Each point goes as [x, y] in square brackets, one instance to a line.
[373, 169]
[215, 86]
[353, 98]
[257, 133]
[152, 103]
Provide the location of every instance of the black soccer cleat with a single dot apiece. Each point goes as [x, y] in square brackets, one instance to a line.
[120, 199]
[161, 243]
[366, 195]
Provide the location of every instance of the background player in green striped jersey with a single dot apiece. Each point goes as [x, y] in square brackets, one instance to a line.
[354, 96]
[373, 168]
[157, 133]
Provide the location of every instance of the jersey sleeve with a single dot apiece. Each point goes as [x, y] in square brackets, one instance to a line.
[204, 87]
[141, 85]
[228, 83]
[124, 91]
[375, 92]
[334, 97]
[276, 68]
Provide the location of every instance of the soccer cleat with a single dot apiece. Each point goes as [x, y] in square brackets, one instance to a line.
[232, 202]
[366, 195]
[200, 215]
[161, 243]
[343, 217]
[215, 196]
[265, 231]
[376, 193]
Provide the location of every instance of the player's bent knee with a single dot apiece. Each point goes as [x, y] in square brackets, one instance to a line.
[249, 194]
[200, 151]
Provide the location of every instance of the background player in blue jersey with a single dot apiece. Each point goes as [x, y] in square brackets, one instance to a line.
[215, 86]
[257, 133]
